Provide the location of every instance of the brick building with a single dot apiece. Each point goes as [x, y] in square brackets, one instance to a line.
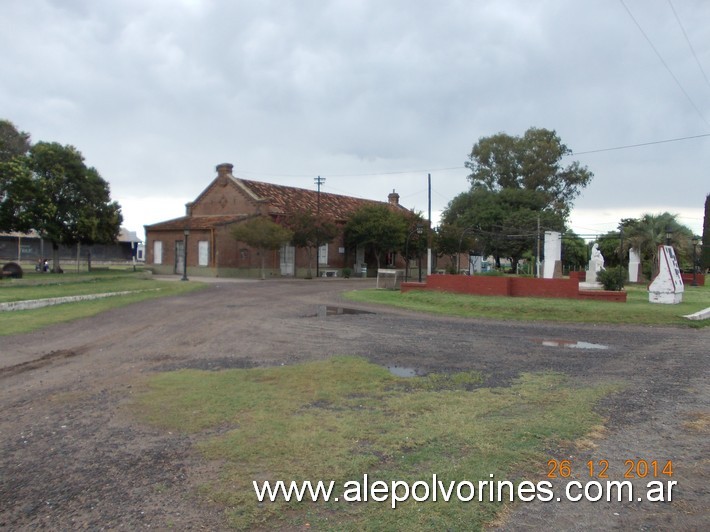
[227, 201]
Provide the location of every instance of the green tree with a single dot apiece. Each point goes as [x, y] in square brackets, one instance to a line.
[610, 247]
[309, 232]
[17, 194]
[262, 234]
[15, 179]
[72, 202]
[13, 142]
[648, 232]
[377, 227]
[450, 240]
[506, 220]
[574, 250]
[530, 162]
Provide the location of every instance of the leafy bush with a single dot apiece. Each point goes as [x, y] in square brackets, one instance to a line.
[613, 278]
[347, 272]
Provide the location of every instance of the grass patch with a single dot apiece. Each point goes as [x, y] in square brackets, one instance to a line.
[45, 286]
[342, 418]
[636, 310]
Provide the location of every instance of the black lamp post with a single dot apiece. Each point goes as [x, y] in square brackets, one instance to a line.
[669, 235]
[621, 245]
[186, 232]
[419, 229]
[695, 260]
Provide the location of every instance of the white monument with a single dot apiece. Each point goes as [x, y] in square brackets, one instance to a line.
[596, 264]
[475, 264]
[667, 287]
[552, 265]
[634, 265]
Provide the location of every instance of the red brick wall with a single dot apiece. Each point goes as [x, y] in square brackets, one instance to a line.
[531, 287]
[511, 286]
[603, 295]
[467, 284]
[688, 278]
[579, 275]
[223, 197]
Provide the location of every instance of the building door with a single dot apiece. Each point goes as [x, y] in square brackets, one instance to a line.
[179, 256]
[288, 260]
[360, 259]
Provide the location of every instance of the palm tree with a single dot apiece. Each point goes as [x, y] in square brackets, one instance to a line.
[648, 232]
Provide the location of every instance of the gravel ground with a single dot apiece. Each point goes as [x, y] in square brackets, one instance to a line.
[73, 458]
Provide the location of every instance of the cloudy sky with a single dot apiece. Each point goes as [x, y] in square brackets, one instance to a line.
[371, 94]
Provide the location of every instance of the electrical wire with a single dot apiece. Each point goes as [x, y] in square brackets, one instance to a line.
[664, 63]
[450, 168]
[640, 144]
[687, 39]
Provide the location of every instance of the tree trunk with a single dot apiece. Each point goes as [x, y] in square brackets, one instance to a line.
[263, 262]
[55, 258]
[514, 264]
[309, 254]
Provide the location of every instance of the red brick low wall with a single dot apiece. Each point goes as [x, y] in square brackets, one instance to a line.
[688, 278]
[468, 284]
[579, 275]
[532, 287]
[603, 295]
[512, 286]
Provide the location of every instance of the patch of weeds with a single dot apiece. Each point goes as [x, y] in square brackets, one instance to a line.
[340, 419]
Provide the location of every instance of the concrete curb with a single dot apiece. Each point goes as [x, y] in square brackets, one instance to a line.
[700, 315]
[39, 303]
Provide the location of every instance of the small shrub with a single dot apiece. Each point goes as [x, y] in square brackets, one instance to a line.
[347, 272]
[613, 278]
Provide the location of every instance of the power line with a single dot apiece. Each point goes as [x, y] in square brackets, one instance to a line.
[451, 168]
[664, 63]
[692, 50]
[641, 144]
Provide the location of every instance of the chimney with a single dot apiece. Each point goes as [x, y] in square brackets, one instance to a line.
[393, 198]
[224, 169]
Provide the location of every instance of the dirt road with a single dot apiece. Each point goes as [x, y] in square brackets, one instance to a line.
[72, 458]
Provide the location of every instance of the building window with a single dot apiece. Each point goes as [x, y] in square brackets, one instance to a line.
[323, 254]
[203, 253]
[157, 252]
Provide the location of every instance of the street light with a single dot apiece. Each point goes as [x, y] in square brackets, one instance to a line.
[669, 235]
[696, 239]
[419, 229]
[621, 245]
[186, 232]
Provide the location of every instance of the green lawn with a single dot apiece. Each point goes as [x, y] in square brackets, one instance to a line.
[41, 286]
[636, 310]
[344, 418]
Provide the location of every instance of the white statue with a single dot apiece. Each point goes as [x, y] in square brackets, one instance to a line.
[597, 258]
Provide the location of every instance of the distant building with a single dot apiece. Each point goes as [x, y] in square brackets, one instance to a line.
[228, 201]
[31, 247]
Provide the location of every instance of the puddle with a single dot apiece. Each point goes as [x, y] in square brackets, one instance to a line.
[327, 310]
[401, 371]
[571, 344]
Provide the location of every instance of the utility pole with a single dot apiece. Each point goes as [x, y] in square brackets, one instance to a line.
[428, 236]
[319, 181]
[537, 258]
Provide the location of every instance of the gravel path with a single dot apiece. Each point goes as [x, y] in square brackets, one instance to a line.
[73, 458]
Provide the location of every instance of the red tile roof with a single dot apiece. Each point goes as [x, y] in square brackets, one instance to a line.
[281, 200]
[195, 222]
[285, 200]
